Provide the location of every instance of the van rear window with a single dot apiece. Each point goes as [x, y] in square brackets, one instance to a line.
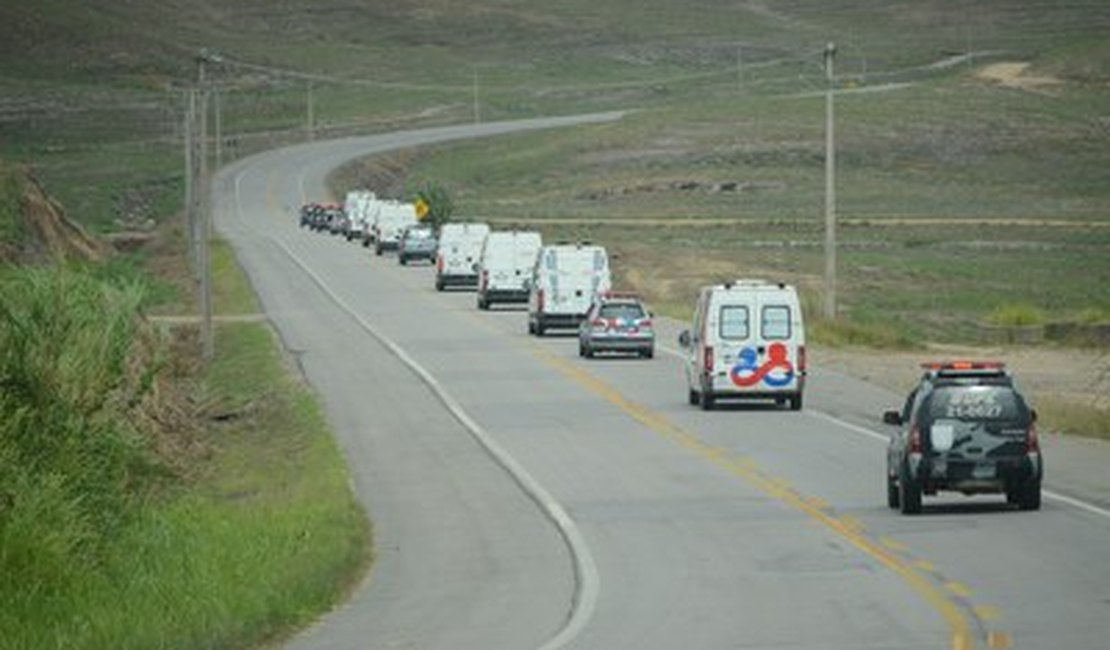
[734, 322]
[776, 322]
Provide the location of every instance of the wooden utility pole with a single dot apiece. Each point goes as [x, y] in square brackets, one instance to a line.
[203, 212]
[830, 187]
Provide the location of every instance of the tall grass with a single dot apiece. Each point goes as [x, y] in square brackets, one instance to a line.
[72, 467]
[101, 545]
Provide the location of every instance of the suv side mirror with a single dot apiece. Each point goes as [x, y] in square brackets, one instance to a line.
[684, 338]
[892, 417]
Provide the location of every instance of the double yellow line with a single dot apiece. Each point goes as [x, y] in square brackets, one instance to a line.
[850, 529]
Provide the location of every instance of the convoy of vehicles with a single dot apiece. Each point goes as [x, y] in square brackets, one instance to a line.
[965, 428]
[565, 279]
[504, 266]
[460, 244]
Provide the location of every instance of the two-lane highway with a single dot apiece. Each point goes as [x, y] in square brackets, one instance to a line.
[523, 496]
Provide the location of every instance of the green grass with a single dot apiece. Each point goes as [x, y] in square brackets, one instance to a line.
[222, 532]
[232, 293]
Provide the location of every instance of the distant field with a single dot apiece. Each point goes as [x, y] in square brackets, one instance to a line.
[727, 128]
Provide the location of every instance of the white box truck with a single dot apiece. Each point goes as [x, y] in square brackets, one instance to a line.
[747, 340]
[504, 266]
[565, 278]
[460, 244]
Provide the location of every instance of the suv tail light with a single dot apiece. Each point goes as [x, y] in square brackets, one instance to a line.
[645, 323]
[801, 358]
[915, 440]
[708, 360]
[1032, 443]
[539, 300]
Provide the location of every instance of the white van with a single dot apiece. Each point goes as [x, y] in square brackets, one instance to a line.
[747, 341]
[565, 279]
[393, 218]
[505, 265]
[370, 213]
[355, 207]
[460, 244]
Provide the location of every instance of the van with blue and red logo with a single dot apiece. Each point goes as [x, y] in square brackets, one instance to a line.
[747, 341]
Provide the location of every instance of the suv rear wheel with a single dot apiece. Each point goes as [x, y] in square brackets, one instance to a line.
[1029, 497]
[909, 494]
[892, 497]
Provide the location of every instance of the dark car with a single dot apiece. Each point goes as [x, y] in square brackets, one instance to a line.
[616, 322]
[964, 428]
[308, 213]
[417, 243]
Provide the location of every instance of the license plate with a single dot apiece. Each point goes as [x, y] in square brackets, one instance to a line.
[984, 471]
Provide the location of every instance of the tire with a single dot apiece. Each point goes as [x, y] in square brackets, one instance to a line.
[648, 353]
[439, 284]
[589, 352]
[540, 327]
[483, 304]
[581, 349]
[893, 499]
[692, 397]
[1030, 498]
[531, 326]
[707, 400]
[378, 250]
[796, 402]
[909, 494]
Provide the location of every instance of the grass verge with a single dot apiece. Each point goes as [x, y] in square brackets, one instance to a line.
[1061, 415]
[244, 529]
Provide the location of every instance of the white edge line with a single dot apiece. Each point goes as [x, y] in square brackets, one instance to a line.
[587, 578]
[874, 435]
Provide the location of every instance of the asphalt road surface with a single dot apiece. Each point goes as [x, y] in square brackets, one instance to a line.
[525, 498]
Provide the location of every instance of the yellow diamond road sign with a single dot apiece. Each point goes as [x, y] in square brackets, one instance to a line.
[421, 209]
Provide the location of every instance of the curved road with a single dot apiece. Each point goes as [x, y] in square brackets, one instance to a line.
[739, 528]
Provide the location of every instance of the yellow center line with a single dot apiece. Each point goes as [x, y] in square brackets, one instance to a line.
[848, 528]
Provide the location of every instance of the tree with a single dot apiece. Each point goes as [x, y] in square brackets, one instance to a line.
[440, 205]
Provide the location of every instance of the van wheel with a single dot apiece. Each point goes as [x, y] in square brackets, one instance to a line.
[402, 260]
[692, 397]
[796, 402]
[366, 243]
[540, 326]
[531, 326]
[707, 400]
[439, 284]
[377, 250]
[648, 353]
[909, 494]
[483, 304]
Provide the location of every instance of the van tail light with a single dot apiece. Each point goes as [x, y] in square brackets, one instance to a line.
[801, 358]
[1032, 443]
[915, 440]
[708, 359]
[539, 300]
[439, 264]
[485, 279]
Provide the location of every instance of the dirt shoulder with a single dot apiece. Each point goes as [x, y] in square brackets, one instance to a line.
[1062, 382]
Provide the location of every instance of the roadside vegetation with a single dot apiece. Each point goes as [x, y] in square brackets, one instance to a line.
[148, 500]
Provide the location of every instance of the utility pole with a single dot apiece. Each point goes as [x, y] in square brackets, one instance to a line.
[477, 115]
[739, 68]
[203, 212]
[218, 109]
[830, 187]
[189, 140]
[310, 114]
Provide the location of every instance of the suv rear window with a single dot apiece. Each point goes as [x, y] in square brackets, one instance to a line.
[977, 403]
